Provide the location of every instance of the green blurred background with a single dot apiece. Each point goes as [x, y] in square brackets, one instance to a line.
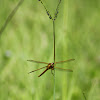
[29, 35]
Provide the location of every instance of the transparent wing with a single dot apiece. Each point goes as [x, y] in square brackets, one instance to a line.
[37, 61]
[69, 70]
[37, 69]
[65, 61]
[10, 16]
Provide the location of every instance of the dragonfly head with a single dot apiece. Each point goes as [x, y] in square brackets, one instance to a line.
[52, 65]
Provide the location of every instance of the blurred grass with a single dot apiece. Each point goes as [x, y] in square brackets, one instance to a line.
[29, 36]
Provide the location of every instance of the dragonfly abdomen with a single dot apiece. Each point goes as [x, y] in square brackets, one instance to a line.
[43, 72]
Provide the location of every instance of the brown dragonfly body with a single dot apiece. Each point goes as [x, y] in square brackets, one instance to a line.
[50, 66]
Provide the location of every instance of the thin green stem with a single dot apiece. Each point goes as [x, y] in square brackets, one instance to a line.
[54, 38]
[54, 54]
[10, 17]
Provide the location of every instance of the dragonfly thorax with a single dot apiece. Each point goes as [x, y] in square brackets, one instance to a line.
[50, 66]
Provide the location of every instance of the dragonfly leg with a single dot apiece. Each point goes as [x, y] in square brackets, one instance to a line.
[52, 72]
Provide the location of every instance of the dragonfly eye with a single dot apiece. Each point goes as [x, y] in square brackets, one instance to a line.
[52, 64]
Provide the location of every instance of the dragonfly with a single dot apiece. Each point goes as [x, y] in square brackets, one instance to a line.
[50, 66]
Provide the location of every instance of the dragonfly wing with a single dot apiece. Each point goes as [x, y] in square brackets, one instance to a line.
[69, 70]
[37, 61]
[65, 61]
[36, 70]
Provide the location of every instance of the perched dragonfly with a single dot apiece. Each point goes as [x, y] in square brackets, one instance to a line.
[50, 66]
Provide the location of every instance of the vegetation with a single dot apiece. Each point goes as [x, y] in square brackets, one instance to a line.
[29, 35]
